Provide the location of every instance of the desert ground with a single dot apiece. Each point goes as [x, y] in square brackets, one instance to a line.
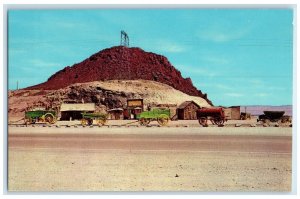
[180, 157]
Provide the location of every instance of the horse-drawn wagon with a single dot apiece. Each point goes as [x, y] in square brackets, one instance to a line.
[215, 115]
[274, 116]
[31, 117]
[88, 118]
[162, 116]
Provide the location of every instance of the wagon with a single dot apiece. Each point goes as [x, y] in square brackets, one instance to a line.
[162, 116]
[88, 118]
[31, 117]
[215, 115]
[274, 116]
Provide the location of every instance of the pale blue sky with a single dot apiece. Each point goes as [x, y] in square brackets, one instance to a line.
[236, 56]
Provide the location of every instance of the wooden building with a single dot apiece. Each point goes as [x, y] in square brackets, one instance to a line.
[73, 111]
[233, 113]
[115, 114]
[134, 107]
[227, 113]
[187, 110]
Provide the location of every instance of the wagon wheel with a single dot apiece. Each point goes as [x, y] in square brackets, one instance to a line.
[27, 121]
[266, 121]
[148, 120]
[144, 121]
[286, 119]
[203, 121]
[163, 120]
[101, 122]
[49, 118]
[90, 121]
[84, 122]
[283, 120]
[218, 121]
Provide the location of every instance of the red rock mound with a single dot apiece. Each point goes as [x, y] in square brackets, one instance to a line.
[122, 63]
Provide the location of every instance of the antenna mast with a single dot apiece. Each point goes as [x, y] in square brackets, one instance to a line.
[124, 39]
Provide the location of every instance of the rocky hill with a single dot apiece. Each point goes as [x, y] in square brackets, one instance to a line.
[122, 63]
[105, 94]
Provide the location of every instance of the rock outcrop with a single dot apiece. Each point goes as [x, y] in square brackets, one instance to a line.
[105, 94]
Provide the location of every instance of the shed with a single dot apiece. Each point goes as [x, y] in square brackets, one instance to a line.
[187, 110]
[227, 113]
[233, 112]
[116, 114]
[73, 111]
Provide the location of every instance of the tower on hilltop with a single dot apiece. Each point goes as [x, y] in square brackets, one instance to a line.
[124, 39]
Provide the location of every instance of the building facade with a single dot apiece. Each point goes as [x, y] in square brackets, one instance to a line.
[73, 111]
[233, 113]
[187, 110]
[134, 107]
[116, 114]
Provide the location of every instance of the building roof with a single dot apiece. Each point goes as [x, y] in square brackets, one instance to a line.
[166, 105]
[78, 107]
[234, 107]
[186, 103]
[115, 109]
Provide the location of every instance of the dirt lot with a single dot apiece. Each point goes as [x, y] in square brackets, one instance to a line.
[149, 159]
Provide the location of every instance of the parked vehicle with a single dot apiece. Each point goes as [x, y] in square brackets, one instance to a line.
[162, 116]
[274, 116]
[31, 117]
[215, 115]
[88, 118]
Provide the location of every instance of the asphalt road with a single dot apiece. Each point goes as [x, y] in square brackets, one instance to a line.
[155, 142]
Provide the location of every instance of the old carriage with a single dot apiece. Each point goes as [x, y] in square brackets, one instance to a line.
[215, 115]
[33, 116]
[88, 118]
[274, 116]
[162, 116]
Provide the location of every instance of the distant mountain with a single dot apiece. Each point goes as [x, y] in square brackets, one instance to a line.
[258, 110]
[122, 63]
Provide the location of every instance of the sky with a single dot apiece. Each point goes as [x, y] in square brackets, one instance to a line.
[236, 56]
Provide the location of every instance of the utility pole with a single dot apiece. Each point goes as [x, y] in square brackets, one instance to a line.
[17, 85]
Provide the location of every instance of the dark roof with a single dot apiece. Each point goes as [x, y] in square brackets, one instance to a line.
[186, 103]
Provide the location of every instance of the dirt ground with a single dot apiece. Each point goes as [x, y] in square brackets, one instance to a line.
[149, 159]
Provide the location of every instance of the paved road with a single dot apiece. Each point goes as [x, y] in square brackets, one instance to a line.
[215, 143]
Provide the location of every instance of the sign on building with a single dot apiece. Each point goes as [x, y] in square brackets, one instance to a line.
[135, 103]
